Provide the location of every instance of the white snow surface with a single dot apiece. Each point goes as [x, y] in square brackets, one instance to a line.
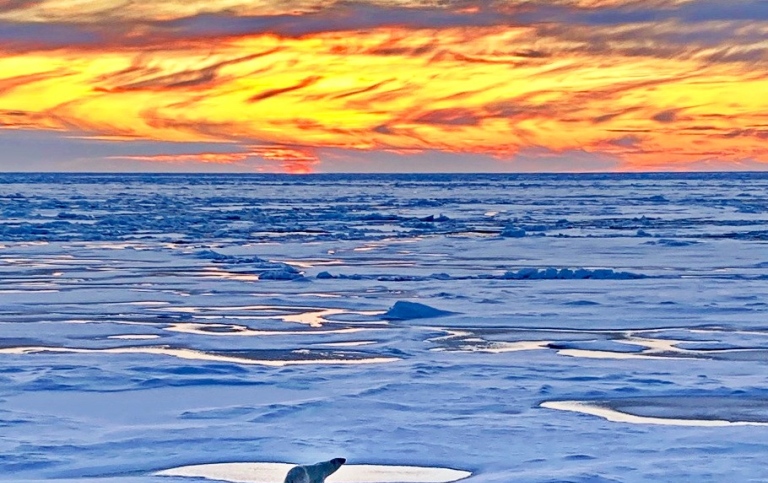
[271, 472]
[592, 328]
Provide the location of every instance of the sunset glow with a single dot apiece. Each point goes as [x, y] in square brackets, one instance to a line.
[649, 85]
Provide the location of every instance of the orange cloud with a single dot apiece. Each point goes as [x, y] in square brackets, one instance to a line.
[257, 158]
[206, 158]
[633, 91]
[290, 160]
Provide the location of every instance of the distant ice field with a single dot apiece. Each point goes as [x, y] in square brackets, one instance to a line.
[518, 328]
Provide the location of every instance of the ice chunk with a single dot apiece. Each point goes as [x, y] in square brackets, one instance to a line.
[667, 242]
[513, 232]
[287, 273]
[404, 310]
[440, 276]
[433, 218]
[218, 257]
[211, 255]
[568, 274]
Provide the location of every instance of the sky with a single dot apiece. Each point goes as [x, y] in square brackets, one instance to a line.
[304, 86]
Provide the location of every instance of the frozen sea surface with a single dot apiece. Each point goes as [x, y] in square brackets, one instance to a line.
[552, 328]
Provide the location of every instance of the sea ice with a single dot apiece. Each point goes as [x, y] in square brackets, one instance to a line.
[151, 322]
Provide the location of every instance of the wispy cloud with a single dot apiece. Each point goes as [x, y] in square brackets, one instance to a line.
[256, 158]
[629, 84]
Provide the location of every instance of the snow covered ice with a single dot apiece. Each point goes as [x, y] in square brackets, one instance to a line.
[497, 328]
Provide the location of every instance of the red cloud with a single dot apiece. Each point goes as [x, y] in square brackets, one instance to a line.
[258, 158]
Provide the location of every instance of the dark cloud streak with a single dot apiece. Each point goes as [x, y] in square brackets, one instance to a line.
[276, 92]
[11, 83]
[723, 32]
[11, 5]
[189, 78]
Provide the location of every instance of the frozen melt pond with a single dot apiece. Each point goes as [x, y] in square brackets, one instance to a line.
[702, 411]
[275, 473]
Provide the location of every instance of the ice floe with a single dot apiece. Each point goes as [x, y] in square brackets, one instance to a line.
[288, 358]
[275, 472]
[684, 410]
[513, 232]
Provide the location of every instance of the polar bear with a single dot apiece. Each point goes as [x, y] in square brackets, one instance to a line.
[316, 473]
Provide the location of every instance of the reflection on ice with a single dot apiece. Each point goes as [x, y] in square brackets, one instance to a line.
[20, 291]
[145, 303]
[352, 343]
[312, 262]
[525, 345]
[677, 411]
[658, 344]
[275, 472]
[227, 275]
[317, 318]
[241, 330]
[594, 354]
[288, 358]
[134, 336]
[311, 316]
[480, 345]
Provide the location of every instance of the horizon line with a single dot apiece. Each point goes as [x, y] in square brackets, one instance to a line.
[380, 173]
